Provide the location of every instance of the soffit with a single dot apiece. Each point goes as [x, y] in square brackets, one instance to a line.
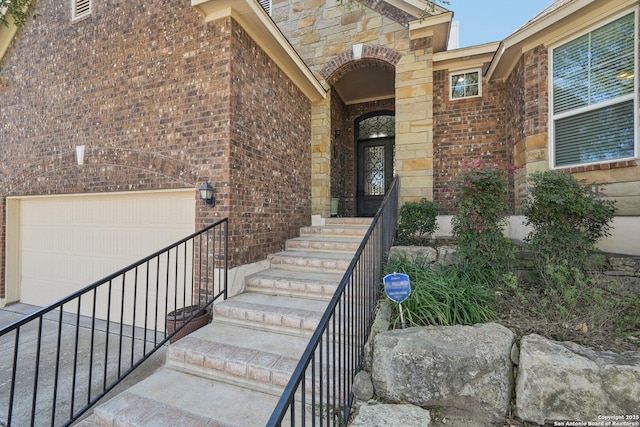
[465, 58]
[417, 8]
[255, 21]
[437, 26]
[365, 85]
[560, 20]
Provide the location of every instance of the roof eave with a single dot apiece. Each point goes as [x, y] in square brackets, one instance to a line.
[511, 48]
[437, 26]
[417, 8]
[255, 21]
[466, 57]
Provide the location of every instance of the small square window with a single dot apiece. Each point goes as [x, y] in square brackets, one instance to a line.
[80, 9]
[467, 84]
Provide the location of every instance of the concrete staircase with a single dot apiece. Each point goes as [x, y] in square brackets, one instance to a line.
[232, 372]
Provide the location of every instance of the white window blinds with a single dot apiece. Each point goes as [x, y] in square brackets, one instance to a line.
[593, 95]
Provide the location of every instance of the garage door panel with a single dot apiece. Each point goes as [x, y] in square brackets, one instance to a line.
[69, 242]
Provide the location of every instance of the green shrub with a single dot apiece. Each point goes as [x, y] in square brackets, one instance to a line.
[482, 205]
[417, 222]
[566, 220]
[444, 295]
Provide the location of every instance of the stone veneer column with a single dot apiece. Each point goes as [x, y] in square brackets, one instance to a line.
[321, 157]
[414, 125]
[530, 155]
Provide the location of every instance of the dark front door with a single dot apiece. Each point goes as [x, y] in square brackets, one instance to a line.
[375, 173]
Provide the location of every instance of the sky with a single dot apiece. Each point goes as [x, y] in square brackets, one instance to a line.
[484, 21]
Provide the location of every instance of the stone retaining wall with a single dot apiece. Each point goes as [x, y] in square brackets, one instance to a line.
[466, 376]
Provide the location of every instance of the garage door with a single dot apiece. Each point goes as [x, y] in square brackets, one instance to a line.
[68, 242]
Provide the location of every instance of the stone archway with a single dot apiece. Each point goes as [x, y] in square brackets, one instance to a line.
[362, 80]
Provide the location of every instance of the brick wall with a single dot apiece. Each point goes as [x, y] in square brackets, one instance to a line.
[536, 68]
[270, 156]
[147, 87]
[466, 129]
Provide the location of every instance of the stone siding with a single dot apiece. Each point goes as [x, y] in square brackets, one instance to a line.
[324, 33]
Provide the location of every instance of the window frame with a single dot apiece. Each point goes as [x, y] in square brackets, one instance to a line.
[452, 74]
[633, 96]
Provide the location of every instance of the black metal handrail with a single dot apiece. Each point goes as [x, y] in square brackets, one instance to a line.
[60, 360]
[319, 392]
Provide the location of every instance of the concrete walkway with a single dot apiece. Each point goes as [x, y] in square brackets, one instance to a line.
[24, 381]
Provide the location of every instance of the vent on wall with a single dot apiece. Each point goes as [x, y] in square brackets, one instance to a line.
[81, 8]
[266, 5]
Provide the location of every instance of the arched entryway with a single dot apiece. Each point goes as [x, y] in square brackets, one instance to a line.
[362, 98]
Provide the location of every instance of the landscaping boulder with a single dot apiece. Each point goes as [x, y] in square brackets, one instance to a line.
[418, 254]
[458, 369]
[565, 381]
[391, 415]
[446, 254]
[362, 386]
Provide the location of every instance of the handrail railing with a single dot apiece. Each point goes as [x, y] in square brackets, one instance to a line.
[60, 360]
[319, 392]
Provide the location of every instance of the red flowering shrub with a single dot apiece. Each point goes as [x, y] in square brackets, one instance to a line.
[482, 206]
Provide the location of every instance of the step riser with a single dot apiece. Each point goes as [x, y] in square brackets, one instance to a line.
[309, 264]
[333, 231]
[365, 222]
[318, 246]
[304, 291]
[264, 372]
[282, 318]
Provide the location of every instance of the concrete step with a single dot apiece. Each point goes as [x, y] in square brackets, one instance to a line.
[275, 281]
[318, 262]
[325, 243]
[283, 314]
[334, 230]
[172, 398]
[348, 221]
[259, 360]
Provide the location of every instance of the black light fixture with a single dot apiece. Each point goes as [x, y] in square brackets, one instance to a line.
[206, 194]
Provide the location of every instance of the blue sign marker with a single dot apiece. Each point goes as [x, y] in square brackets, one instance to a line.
[397, 287]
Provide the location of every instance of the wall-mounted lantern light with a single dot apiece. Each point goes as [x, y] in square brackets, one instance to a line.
[206, 194]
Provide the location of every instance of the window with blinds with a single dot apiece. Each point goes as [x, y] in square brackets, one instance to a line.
[593, 98]
[266, 5]
[80, 8]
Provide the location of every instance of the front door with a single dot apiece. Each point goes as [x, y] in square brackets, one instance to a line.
[375, 173]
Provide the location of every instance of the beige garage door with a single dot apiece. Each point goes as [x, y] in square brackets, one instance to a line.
[68, 242]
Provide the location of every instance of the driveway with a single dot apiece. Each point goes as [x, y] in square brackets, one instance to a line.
[23, 398]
